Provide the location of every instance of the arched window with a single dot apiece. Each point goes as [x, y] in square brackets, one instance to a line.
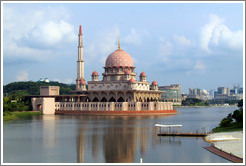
[121, 69]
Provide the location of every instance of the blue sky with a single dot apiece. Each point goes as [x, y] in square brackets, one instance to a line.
[196, 45]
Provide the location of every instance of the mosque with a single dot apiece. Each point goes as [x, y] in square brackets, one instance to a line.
[119, 92]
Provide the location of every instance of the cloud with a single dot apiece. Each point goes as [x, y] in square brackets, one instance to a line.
[182, 40]
[107, 42]
[216, 35]
[22, 76]
[136, 36]
[35, 32]
[165, 49]
[52, 33]
[103, 45]
[199, 66]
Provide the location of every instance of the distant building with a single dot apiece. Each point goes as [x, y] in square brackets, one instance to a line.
[171, 93]
[224, 93]
[183, 96]
[211, 93]
[240, 90]
[197, 93]
[44, 80]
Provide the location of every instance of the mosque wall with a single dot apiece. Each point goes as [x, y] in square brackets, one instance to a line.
[101, 85]
[113, 106]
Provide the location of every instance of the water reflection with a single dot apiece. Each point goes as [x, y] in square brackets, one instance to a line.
[119, 138]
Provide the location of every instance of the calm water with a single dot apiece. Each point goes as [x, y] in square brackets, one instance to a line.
[100, 139]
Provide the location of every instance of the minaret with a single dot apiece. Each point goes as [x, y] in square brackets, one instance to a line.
[80, 81]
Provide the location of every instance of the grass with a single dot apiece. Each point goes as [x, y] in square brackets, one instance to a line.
[235, 126]
[19, 115]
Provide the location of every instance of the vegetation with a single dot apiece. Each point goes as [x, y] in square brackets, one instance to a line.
[194, 102]
[32, 88]
[19, 115]
[233, 121]
[16, 97]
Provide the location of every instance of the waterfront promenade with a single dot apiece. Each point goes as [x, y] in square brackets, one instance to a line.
[229, 142]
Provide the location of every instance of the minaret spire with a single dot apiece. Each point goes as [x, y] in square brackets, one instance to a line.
[119, 44]
[80, 30]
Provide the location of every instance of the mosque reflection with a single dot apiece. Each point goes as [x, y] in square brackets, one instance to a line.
[118, 139]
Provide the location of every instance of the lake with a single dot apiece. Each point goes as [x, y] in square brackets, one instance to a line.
[110, 139]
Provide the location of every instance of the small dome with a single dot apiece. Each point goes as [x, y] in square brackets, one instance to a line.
[131, 80]
[127, 72]
[143, 74]
[95, 73]
[83, 81]
[46, 80]
[154, 83]
[119, 58]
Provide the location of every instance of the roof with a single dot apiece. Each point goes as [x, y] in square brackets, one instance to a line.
[143, 74]
[154, 83]
[131, 80]
[119, 58]
[94, 73]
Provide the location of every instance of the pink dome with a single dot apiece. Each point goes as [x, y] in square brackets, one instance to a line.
[83, 81]
[127, 72]
[119, 58]
[131, 80]
[154, 83]
[95, 73]
[143, 74]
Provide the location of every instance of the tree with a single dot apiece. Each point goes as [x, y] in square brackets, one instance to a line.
[238, 115]
[240, 103]
[225, 122]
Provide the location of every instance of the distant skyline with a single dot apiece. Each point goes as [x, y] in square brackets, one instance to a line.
[196, 45]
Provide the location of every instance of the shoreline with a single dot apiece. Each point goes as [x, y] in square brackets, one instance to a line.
[228, 145]
[8, 116]
[205, 106]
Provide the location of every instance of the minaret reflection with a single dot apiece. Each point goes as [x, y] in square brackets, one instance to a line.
[80, 146]
[119, 141]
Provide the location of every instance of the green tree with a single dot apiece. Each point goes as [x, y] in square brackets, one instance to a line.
[240, 103]
[238, 115]
[225, 122]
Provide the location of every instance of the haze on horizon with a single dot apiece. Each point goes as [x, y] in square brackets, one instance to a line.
[196, 45]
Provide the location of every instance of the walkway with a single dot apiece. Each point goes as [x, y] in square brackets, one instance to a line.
[229, 142]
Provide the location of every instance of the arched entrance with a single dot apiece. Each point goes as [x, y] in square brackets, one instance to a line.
[112, 99]
[103, 99]
[39, 106]
[88, 99]
[120, 99]
[95, 99]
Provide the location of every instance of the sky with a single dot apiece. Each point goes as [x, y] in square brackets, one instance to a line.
[196, 45]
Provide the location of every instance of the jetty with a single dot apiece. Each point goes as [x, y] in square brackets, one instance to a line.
[171, 132]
